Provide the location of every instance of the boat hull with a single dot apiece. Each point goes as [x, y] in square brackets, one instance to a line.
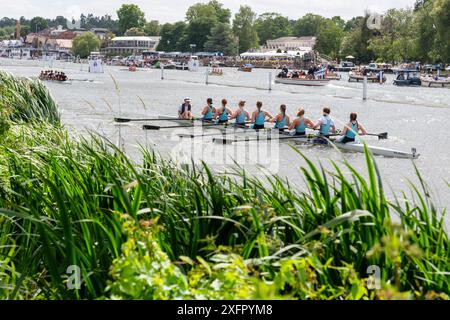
[435, 83]
[303, 82]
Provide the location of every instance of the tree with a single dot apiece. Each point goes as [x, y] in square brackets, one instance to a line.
[338, 21]
[244, 28]
[329, 39]
[84, 44]
[396, 41]
[221, 39]
[202, 18]
[134, 32]
[271, 25]
[441, 18]
[308, 25]
[59, 21]
[353, 23]
[174, 37]
[152, 28]
[38, 24]
[212, 8]
[356, 42]
[130, 16]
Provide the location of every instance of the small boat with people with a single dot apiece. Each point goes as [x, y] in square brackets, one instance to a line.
[304, 81]
[407, 78]
[246, 67]
[431, 80]
[239, 123]
[51, 75]
[299, 77]
[358, 74]
[215, 70]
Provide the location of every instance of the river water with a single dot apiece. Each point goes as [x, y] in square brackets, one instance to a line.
[414, 117]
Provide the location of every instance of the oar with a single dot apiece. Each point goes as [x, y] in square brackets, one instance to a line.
[381, 136]
[245, 129]
[150, 119]
[150, 127]
[263, 138]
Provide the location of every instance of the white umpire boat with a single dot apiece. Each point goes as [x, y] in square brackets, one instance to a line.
[303, 81]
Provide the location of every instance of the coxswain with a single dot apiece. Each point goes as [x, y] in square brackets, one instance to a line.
[185, 110]
[300, 124]
[352, 129]
[259, 116]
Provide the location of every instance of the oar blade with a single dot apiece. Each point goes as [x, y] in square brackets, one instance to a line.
[183, 135]
[122, 120]
[150, 127]
[383, 135]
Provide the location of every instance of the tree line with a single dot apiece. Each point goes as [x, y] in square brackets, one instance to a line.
[421, 33]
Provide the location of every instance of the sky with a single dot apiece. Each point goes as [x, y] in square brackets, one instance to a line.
[174, 10]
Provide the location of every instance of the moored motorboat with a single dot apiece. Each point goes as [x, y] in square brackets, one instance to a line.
[246, 68]
[353, 76]
[215, 70]
[435, 82]
[333, 76]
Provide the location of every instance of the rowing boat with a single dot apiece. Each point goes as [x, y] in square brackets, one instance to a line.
[318, 141]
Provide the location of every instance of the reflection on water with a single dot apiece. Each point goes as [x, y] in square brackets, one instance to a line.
[414, 117]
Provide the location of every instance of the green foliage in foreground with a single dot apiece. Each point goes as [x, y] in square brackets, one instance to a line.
[214, 236]
[157, 231]
[27, 100]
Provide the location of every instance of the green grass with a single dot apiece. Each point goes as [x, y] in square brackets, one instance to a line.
[82, 202]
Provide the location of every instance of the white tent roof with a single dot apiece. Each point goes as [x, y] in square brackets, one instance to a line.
[274, 54]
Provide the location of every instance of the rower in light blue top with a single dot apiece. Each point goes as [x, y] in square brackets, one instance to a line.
[281, 119]
[352, 129]
[208, 111]
[223, 113]
[240, 115]
[325, 124]
[300, 124]
[259, 116]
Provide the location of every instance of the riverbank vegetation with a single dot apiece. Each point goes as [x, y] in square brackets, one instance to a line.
[159, 231]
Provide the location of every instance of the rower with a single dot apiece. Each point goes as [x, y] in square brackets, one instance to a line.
[351, 129]
[325, 124]
[240, 115]
[281, 120]
[259, 116]
[223, 113]
[208, 111]
[185, 110]
[301, 123]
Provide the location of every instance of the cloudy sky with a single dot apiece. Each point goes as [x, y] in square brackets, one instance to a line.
[174, 10]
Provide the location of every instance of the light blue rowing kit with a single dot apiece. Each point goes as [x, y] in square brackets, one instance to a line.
[224, 116]
[300, 129]
[259, 121]
[280, 124]
[350, 135]
[325, 127]
[209, 115]
[240, 119]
